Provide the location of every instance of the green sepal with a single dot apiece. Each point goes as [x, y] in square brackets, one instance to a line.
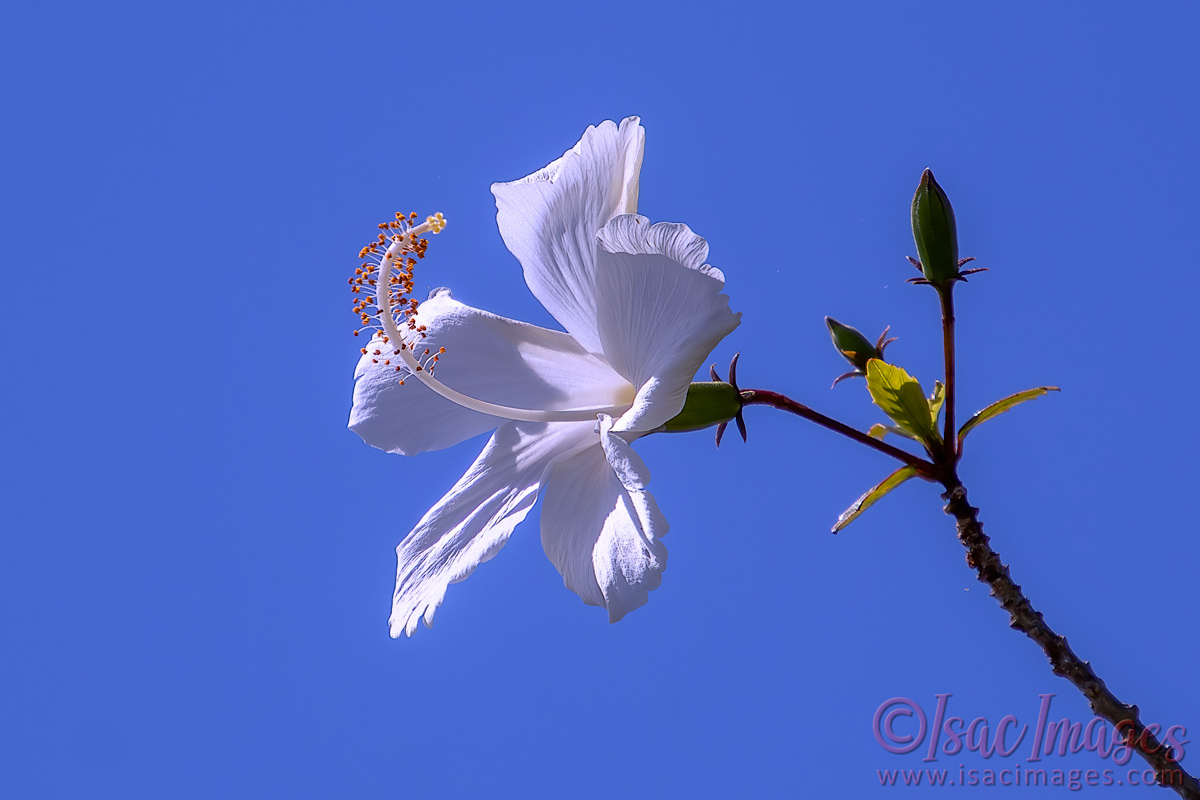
[1000, 406]
[901, 398]
[935, 232]
[708, 403]
[853, 346]
[873, 496]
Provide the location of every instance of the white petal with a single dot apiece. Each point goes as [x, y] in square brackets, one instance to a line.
[488, 357]
[601, 529]
[549, 220]
[473, 521]
[661, 312]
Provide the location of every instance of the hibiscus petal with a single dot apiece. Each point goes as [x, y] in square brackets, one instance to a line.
[549, 220]
[602, 529]
[661, 312]
[488, 357]
[473, 521]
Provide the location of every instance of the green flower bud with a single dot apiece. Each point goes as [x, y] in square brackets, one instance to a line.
[855, 348]
[934, 232]
[708, 403]
[852, 344]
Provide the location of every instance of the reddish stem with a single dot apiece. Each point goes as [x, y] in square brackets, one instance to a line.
[752, 397]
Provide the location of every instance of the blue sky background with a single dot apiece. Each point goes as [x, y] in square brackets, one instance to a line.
[198, 556]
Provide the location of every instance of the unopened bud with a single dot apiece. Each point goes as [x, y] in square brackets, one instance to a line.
[855, 348]
[934, 232]
[708, 403]
[852, 344]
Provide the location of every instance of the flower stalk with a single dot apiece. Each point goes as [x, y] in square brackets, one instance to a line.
[950, 438]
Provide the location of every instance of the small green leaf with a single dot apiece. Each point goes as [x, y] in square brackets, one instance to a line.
[935, 401]
[1000, 406]
[871, 497]
[901, 398]
[879, 431]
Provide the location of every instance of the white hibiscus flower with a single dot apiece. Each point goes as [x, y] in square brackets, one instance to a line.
[641, 311]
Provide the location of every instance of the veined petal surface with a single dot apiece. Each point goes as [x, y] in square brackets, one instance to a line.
[487, 356]
[602, 529]
[549, 220]
[473, 521]
[660, 312]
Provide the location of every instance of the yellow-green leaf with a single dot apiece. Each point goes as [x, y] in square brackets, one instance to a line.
[901, 398]
[880, 431]
[871, 497]
[1000, 406]
[935, 401]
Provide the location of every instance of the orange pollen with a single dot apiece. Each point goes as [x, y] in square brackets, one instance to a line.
[390, 261]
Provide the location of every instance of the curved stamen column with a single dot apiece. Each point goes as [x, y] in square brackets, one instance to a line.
[383, 300]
